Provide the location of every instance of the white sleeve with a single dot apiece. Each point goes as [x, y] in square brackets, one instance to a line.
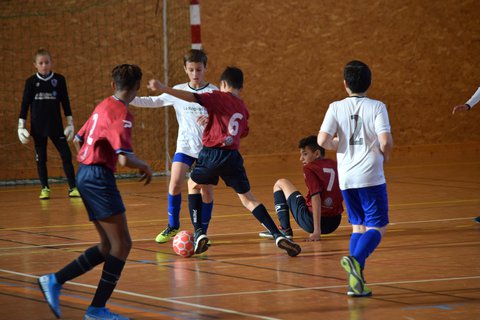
[382, 124]
[474, 99]
[151, 101]
[329, 124]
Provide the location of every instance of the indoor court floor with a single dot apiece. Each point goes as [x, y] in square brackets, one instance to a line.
[427, 266]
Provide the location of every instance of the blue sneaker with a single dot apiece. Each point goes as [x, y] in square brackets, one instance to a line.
[96, 313]
[51, 291]
[477, 219]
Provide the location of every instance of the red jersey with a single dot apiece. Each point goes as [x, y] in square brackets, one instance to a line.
[106, 133]
[321, 178]
[227, 120]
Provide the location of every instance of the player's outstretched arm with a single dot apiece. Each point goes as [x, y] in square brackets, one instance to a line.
[131, 161]
[461, 107]
[180, 94]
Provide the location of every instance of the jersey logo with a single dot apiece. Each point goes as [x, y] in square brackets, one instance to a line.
[54, 82]
[127, 124]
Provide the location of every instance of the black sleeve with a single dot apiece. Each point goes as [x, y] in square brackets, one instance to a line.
[27, 99]
[67, 111]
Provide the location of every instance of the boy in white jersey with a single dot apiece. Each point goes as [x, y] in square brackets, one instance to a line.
[465, 107]
[189, 141]
[358, 128]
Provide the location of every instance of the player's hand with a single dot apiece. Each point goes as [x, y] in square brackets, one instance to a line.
[154, 85]
[23, 134]
[69, 129]
[313, 237]
[146, 173]
[202, 120]
[462, 107]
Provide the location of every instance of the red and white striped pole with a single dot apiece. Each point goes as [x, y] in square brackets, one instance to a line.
[195, 24]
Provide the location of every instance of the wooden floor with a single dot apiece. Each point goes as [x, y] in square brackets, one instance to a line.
[427, 266]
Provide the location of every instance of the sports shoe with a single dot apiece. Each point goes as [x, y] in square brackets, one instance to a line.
[200, 241]
[73, 192]
[51, 291]
[96, 313]
[366, 292]
[166, 234]
[288, 245]
[477, 219]
[356, 282]
[288, 233]
[44, 193]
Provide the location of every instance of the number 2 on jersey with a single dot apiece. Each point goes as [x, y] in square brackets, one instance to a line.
[354, 139]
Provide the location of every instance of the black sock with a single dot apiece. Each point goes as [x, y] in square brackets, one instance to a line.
[195, 208]
[85, 262]
[261, 213]
[111, 273]
[282, 209]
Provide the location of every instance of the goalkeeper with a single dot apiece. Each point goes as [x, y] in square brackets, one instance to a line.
[43, 93]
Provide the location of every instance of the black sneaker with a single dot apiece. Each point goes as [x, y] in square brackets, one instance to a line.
[288, 245]
[477, 219]
[288, 233]
[200, 241]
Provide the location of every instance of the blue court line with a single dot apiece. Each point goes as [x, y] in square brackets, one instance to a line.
[447, 306]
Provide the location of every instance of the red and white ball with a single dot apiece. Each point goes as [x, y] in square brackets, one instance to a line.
[183, 244]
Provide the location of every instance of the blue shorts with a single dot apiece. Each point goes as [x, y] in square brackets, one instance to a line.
[213, 163]
[99, 192]
[183, 158]
[367, 206]
[304, 218]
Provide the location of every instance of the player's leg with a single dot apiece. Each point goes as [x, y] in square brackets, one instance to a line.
[261, 214]
[64, 150]
[51, 284]
[180, 165]
[375, 205]
[282, 190]
[41, 159]
[195, 206]
[116, 230]
[207, 206]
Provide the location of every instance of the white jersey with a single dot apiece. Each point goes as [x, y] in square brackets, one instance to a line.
[189, 140]
[357, 121]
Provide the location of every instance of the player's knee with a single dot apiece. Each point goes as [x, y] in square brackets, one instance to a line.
[279, 184]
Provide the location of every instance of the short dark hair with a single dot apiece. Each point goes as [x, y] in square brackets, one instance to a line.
[195, 55]
[41, 52]
[358, 76]
[126, 76]
[311, 142]
[233, 76]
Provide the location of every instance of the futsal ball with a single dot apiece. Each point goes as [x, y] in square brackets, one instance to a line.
[183, 244]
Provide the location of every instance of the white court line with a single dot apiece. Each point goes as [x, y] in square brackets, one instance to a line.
[176, 299]
[324, 287]
[133, 294]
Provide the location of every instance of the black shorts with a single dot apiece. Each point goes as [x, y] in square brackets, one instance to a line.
[99, 192]
[304, 218]
[213, 163]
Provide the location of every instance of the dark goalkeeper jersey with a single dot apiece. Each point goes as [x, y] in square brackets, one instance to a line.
[44, 96]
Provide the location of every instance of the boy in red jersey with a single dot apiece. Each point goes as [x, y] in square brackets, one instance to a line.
[320, 212]
[219, 157]
[103, 140]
